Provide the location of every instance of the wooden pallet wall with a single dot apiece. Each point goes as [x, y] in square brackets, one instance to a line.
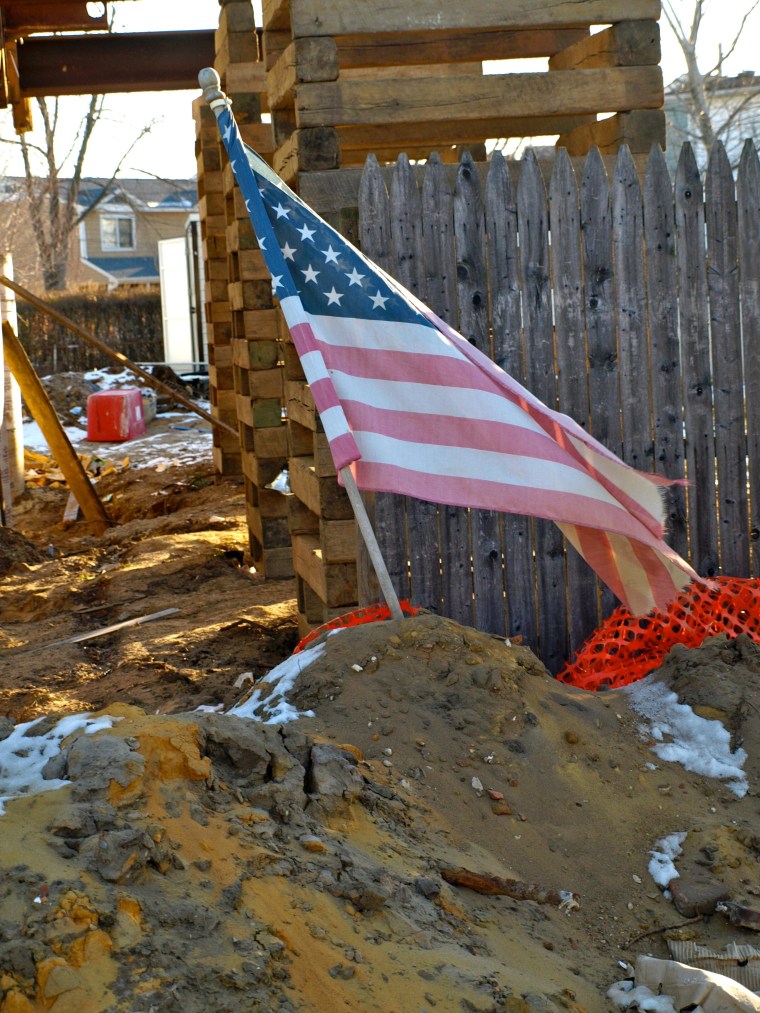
[345, 78]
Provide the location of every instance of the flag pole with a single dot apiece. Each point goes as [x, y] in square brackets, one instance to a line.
[367, 533]
[218, 101]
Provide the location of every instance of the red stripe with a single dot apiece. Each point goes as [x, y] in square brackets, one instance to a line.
[484, 494]
[596, 549]
[446, 431]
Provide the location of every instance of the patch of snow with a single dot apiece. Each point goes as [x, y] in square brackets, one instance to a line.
[23, 754]
[681, 736]
[273, 707]
[624, 994]
[661, 865]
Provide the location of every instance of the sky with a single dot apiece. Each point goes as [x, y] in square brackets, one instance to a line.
[168, 150]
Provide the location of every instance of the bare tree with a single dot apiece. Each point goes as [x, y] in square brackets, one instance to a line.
[714, 103]
[53, 200]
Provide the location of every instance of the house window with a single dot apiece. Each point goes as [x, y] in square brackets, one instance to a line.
[117, 232]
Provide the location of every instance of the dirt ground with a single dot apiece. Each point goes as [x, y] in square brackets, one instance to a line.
[199, 860]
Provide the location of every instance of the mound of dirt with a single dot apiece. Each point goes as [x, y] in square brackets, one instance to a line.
[406, 816]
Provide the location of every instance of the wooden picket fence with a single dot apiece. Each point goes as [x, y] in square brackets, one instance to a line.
[626, 300]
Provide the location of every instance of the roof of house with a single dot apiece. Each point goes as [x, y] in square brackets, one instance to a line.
[140, 194]
[125, 268]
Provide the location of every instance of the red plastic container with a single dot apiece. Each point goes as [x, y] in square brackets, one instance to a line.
[114, 415]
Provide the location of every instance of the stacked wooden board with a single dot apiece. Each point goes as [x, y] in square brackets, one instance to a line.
[346, 78]
[245, 369]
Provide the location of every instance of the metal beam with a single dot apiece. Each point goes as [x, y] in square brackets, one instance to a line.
[98, 64]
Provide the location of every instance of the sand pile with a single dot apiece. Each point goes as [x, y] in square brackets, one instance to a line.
[207, 861]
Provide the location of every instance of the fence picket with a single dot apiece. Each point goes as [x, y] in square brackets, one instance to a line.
[665, 374]
[388, 511]
[599, 305]
[506, 325]
[723, 287]
[630, 305]
[748, 193]
[409, 268]
[488, 580]
[695, 363]
[439, 248]
[640, 319]
[533, 224]
[572, 372]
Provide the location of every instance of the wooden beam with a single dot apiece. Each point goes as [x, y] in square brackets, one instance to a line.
[467, 131]
[348, 17]
[303, 60]
[572, 92]
[629, 44]
[60, 446]
[639, 129]
[405, 48]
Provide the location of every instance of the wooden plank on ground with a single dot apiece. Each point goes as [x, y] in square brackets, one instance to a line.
[664, 353]
[472, 284]
[346, 17]
[533, 225]
[439, 248]
[748, 194]
[571, 92]
[407, 265]
[389, 509]
[695, 362]
[572, 383]
[508, 353]
[630, 306]
[628, 44]
[725, 331]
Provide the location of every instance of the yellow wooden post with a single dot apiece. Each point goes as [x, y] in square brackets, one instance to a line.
[57, 440]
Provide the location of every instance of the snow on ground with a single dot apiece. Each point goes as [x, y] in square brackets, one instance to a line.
[681, 736]
[25, 753]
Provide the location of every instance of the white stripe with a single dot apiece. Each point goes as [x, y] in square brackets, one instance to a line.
[334, 422]
[428, 399]
[506, 469]
[635, 484]
[372, 335]
[314, 366]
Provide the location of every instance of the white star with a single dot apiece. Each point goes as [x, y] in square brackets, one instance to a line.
[310, 274]
[277, 282]
[287, 251]
[331, 257]
[306, 232]
[262, 244]
[378, 301]
[355, 278]
[227, 132]
[333, 297]
[282, 212]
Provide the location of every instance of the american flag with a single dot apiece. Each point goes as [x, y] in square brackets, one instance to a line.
[415, 409]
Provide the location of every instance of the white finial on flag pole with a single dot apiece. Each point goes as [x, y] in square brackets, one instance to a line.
[211, 84]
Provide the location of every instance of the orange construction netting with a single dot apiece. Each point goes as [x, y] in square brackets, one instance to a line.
[370, 614]
[625, 648]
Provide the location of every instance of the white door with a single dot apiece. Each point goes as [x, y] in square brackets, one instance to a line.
[175, 304]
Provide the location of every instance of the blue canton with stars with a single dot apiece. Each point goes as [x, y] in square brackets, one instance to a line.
[305, 256]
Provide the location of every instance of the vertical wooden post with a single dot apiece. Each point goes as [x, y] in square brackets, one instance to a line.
[10, 418]
[53, 431]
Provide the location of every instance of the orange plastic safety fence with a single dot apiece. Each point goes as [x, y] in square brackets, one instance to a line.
[370, 614]
[626, 647]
